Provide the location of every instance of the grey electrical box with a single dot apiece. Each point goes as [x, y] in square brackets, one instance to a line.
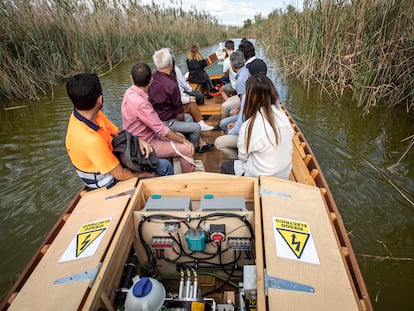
[210, 202]
[160, 203]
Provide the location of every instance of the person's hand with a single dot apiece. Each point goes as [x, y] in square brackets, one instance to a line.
[234, 111]
[145, 174]
[192, 99]
[189, 145]
[145, 148]
[230, 126]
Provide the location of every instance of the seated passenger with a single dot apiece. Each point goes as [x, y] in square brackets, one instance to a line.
[264, 144]
[165, 97]
[140, 118]
[230, 107]
[185, 88]
[196, 73]
[189, 101]
[228, 143]
[89, 137]
[229, 75]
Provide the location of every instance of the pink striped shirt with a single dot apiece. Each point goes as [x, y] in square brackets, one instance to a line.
[139, 116]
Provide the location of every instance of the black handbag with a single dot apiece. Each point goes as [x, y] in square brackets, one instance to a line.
[126, 149]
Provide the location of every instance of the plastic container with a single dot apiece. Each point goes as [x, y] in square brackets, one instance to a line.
[146, 294]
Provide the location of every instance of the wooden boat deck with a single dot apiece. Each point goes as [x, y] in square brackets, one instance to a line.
[305, 170]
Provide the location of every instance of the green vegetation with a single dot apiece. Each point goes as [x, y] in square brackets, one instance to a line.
[43, 42]
[366, 46]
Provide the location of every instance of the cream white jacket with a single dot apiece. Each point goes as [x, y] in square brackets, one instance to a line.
[264, 157]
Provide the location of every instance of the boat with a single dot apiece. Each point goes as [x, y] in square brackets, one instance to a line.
[199, 241]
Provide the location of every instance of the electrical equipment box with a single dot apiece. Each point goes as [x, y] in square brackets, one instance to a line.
[157, 202]
[283, 247]
[210, 202]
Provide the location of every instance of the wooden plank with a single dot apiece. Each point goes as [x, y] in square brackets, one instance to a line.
[211, 59]
[196, 184]
[113, 265]
[210, 109]
[329, 278]
[300, 170]
[298, 144]
[40, 292]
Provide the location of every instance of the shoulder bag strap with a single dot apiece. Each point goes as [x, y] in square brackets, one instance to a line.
[190, 160]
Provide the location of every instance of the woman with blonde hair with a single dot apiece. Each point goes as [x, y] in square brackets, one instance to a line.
[265, 139]
[196, 73]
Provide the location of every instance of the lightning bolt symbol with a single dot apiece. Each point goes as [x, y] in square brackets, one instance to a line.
[294, 242]
[85, 243]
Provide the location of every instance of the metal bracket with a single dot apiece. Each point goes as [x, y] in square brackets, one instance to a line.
[277, 283]
[263, 192]
[82, 276]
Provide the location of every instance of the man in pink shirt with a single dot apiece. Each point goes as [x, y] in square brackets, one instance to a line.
[140, 118]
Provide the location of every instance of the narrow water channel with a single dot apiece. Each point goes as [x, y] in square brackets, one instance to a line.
[359, 155]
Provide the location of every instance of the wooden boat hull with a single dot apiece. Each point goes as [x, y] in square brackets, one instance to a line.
[336, 274]
[330, 277]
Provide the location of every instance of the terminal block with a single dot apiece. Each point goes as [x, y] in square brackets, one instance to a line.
[171, 227]
[162, 242]
[240, 244]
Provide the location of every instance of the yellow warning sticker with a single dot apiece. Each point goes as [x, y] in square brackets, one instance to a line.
[88, 233]
[294, 240]
[291, 225]
[86, 241]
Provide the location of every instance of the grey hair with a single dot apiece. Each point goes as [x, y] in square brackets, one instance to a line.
[237, 59]
[162, 58]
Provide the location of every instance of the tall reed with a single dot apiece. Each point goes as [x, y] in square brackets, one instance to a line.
[42, 42]
[364, 45]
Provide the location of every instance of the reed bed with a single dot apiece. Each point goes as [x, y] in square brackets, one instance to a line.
[363, 45]
[43, 42]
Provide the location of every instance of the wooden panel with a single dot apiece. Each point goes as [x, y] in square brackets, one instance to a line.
[298, 144]
[300, 170]
[196, 184]
[329, 278]
[39, 292]
[210, 109]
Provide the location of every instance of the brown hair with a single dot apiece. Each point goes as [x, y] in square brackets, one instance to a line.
[260, 92]
[194, 53]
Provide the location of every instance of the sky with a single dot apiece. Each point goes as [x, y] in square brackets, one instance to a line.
[231, 12]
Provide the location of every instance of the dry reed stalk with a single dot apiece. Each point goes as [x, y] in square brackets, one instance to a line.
[366, 46]
[48, 40]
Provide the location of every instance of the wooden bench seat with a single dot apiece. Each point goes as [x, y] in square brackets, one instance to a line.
[210, 108]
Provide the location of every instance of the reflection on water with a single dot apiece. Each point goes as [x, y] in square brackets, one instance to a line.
[37, 180]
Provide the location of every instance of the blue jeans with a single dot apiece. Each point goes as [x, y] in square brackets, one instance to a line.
[164, 168]
[224, 122]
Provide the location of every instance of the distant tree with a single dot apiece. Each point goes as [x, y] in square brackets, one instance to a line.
[247, 23]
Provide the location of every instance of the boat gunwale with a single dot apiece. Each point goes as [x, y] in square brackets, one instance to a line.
[337, 222]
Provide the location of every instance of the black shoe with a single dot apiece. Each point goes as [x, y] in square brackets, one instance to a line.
[209, 96]
[206, 116]
[202, 149]
[211, 146]
[214, 90]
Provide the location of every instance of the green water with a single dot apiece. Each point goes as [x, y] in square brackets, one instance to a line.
[37, 180]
